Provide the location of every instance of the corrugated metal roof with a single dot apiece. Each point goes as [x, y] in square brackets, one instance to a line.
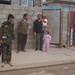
[71, 2]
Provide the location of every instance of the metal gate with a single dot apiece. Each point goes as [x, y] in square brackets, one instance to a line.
[72, 28]
[54, 24]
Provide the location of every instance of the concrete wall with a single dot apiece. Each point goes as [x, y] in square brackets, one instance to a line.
[37, 2]
[64, 26]
[18, 12]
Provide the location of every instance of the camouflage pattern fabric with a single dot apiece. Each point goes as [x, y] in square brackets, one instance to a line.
[7, 29]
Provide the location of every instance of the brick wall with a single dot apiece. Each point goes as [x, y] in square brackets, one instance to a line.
[18, 12]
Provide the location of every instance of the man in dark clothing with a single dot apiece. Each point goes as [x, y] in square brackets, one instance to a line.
[38, 32]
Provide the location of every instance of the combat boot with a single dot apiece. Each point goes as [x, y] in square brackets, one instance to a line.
[3, 64]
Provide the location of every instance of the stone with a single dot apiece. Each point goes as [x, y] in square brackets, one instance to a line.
[34, 17]
[14, 12]
[22, 12]
[17, 7]
[19, 16]
[2, 6]
[3, 16]
[37, 12]
[30, 12]
[5, 11]
[15, 1]
[2, 20]
[8, 7]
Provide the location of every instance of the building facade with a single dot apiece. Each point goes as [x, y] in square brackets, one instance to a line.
[18, 10]
[61, 21]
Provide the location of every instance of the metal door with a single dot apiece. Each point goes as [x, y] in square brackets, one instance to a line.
[54, 24]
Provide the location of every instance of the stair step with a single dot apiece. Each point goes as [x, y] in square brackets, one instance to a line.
[54, 46]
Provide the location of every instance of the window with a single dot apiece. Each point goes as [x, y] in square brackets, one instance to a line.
[27, 2]
[30, 2]
[43, 0]
[5, 1]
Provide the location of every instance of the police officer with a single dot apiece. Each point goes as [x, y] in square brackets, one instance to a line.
[6, 38]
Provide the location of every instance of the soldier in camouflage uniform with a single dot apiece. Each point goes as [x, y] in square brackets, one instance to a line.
[6, 38]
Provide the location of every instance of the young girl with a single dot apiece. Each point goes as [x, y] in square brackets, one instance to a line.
[47, 39]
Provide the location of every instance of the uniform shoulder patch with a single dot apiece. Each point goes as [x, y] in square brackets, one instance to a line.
[4, 23]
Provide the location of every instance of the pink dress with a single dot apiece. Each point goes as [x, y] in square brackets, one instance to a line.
[46, 44]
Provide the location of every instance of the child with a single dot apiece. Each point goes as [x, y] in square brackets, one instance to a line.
[44, 21]
[47, 39]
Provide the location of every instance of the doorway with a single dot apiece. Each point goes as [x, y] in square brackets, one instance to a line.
[72, 28]
[54, 24]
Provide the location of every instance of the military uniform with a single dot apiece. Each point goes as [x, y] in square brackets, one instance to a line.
[6, 35]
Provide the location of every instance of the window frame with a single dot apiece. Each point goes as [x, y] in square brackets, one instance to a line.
[27, 4]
